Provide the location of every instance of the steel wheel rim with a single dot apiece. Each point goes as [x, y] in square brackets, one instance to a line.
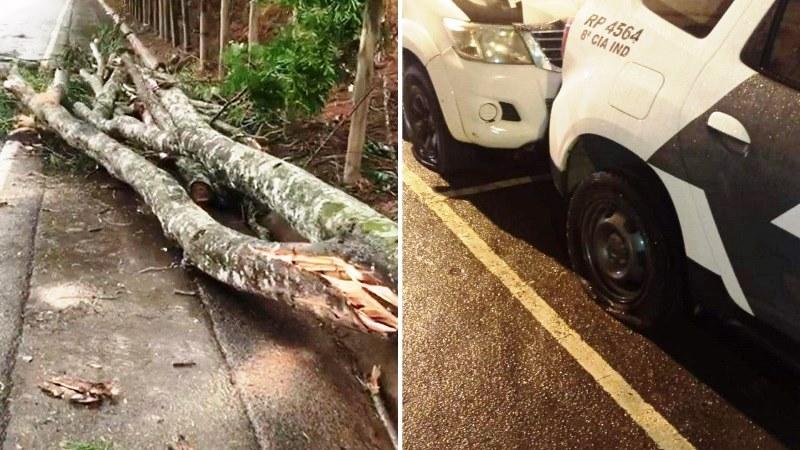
[419, 118]
[616, 250]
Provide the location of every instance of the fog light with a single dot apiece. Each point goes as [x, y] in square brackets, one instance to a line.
[488, 112]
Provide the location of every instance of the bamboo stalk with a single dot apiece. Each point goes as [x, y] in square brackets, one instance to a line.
[184, 26]
[202, 37]
[252, 30]
[224, 9]
[373, 11]
[172, 35]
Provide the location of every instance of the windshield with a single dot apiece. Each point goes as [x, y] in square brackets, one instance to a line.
[697, 17]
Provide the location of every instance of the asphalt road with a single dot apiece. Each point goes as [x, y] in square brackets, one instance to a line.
[484, 366]
[27, 27]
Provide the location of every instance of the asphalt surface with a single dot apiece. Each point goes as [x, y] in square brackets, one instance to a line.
[26, 35]
[479, 371]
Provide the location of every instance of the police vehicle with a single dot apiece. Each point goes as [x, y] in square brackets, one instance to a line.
[676, 137]
[479, 72]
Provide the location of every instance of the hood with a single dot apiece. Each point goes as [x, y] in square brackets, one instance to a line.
[499, 12]
[546, 11]
[506, 12]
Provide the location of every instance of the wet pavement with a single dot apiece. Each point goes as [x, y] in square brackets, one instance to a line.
[39, 29]
[26, 27]
[96, 312]
[481, 372]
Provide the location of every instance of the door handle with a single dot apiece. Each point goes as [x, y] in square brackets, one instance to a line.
[731, 127]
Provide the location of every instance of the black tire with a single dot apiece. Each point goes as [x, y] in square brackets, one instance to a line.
[424, 126]
[623, 242]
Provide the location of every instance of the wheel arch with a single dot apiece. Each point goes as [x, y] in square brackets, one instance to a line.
[592, 153]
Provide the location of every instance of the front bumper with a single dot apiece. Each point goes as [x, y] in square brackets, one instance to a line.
[493, 105]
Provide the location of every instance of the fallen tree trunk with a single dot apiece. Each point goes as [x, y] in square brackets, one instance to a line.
[332, 290]
[315, 209]
[148, 59]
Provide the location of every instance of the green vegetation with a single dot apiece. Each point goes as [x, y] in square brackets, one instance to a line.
[8, 108]
[380, 166]
[98, 445]
[110, 40]
[292, 74]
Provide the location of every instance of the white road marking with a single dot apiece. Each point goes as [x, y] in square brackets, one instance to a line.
[7, 154]
[651, 421]
[789, 221]
[51, 45]
[494, 186]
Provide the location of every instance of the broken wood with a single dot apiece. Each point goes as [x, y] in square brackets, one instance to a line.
[196, 180]
[296, 274]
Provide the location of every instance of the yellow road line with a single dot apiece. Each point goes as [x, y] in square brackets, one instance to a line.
[496, 185]
[654, 424]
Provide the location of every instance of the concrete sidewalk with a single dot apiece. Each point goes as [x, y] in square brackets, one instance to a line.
[103, 306]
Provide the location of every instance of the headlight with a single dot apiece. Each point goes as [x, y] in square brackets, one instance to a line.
[496, 44]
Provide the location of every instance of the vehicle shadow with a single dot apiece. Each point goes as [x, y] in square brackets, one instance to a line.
[757, 383]
[534, 213]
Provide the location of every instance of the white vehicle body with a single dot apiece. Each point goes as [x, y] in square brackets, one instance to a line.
[474, 96]
[718, 131]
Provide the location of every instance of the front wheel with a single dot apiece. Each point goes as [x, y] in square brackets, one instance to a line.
[425, 127]
[623, 244]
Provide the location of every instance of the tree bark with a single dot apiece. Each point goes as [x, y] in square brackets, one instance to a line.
[326, 212]
[373, 11]
[146, 92]
[224, 10]
[285, 272]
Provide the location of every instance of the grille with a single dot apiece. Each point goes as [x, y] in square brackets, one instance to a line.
[550, 43]
[544, 42]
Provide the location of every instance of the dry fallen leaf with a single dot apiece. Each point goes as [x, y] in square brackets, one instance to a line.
[180, 444]
[77, 390]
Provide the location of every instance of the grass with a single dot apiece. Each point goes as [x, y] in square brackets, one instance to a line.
[96, 445]
[8, 108]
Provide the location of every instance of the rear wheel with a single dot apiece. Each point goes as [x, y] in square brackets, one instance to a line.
[424, 126]
[624, 244]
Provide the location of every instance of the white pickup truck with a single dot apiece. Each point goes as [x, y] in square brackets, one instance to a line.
[479, 72]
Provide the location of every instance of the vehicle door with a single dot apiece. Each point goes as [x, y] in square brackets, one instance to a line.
[744, 153]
